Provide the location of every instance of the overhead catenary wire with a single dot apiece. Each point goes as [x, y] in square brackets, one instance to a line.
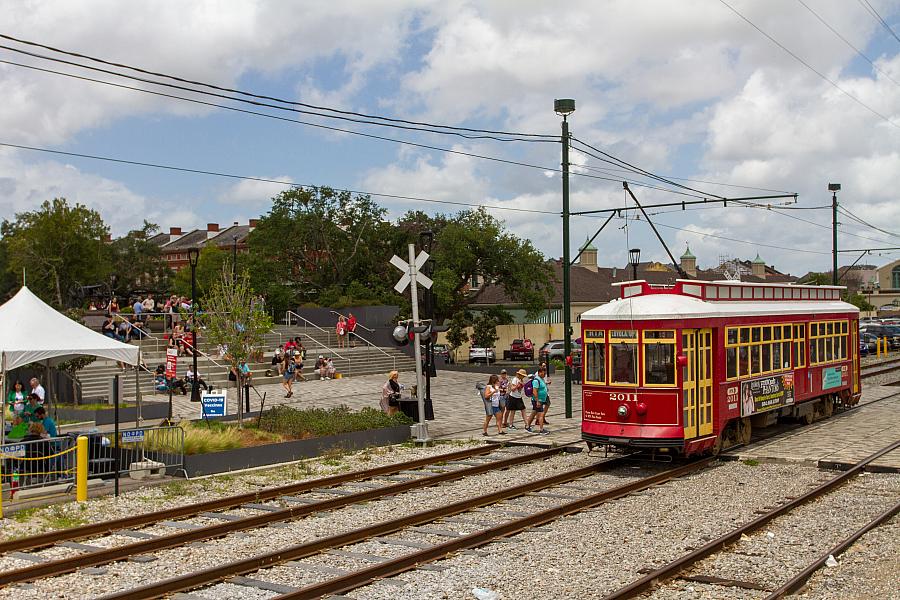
[265, 180]
[846, 41]
[843, 210]
[171, 77]
[796, 57]
[720, 183]
[879, 19]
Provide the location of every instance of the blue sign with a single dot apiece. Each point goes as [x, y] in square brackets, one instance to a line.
[132, 436]
[831, 378]
[16, 450]
[213, 405]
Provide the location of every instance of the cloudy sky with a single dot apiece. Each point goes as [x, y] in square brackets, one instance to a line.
[685, 89]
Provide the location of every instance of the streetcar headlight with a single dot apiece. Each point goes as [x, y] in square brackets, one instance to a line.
[623, 411]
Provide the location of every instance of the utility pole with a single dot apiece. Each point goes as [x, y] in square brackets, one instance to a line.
[834, 188]
[565, 107]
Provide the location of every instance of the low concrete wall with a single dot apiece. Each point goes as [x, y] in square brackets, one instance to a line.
[270, 454]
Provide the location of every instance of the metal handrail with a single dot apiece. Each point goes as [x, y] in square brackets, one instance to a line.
[307, 322]
[202, 353]
[371, 345]
[144, 332]
[358, 324]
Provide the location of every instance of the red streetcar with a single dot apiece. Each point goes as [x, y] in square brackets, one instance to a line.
[693, 367]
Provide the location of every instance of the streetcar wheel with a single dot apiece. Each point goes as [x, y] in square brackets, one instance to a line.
[590, 446]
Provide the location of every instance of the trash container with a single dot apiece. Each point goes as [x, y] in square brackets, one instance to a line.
[410, 408]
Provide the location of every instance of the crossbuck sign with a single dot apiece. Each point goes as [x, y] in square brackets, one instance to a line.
[408, 273]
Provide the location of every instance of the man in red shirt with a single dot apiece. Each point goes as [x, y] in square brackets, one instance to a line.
[351, 327]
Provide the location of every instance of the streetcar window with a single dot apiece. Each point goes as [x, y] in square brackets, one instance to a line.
[813, 329]
[754, 360]
[813, 352]
[829, 328]
[745, 335]
[743, 361]
[748, 292]
[732, 336]
[624, 363]
[787, 332]
[730, 363]
[776, 357]
[776, 332]
[659, 364]
[754, 333]
[767, 333]
[829, 353]
[766, 357]
[843, 347]
[596, 362]
[757, 292]
[844, 327]
[786, 354]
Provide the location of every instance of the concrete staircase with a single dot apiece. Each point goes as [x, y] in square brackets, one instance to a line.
[360, 360]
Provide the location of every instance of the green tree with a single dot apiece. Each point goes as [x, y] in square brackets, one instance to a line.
[859, 301]
[456, 334]
[484, 331]
[475, 244]
[210, 264]
[232, 319]
[138, 263]
[60, 247]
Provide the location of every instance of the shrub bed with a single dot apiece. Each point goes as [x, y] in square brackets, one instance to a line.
[317, 422]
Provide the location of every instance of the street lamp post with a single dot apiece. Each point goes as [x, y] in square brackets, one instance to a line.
[834, 188]
[193, 257]
[565, 107]
[634, 257]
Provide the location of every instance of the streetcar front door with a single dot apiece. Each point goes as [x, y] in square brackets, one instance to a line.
[696, 381]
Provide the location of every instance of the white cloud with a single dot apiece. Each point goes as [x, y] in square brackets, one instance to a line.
[252, 194]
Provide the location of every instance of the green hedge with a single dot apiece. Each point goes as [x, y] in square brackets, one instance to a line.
[317, 422]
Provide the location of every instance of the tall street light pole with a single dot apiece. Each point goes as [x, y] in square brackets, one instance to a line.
[565, 107]
[634, 257]
[193, 257]
[834, 188]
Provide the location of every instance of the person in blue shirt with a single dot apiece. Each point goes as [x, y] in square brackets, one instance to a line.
[539, 402]
[41, 416]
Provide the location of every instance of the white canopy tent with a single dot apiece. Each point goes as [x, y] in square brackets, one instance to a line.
[31, 331]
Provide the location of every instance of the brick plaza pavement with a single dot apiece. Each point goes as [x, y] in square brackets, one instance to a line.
[458, 412]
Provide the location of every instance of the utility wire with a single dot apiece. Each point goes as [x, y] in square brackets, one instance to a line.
[733, 185]
[636, 169]
[263, 104]
[273, 98]
[846, 41]
[810, 67]
[871, 9]
[866, 223]
[265, 180]
[287, 119]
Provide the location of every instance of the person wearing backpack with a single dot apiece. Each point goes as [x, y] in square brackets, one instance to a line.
[491, 397]
[539, 401]
[515, 401]
[287, 375]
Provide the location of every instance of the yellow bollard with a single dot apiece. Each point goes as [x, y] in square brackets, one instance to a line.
[81, 469]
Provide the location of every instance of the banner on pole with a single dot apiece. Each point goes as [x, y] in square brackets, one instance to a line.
[171, 362]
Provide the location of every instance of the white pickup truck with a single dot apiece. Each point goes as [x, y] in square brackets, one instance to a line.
[482, 355]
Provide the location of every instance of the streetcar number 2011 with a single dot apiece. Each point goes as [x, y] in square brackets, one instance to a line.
[623, 397]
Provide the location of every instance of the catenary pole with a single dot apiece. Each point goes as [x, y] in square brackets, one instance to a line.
[565, 110]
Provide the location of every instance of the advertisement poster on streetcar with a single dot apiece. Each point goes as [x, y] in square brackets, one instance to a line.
[171, 362]
[766, 393]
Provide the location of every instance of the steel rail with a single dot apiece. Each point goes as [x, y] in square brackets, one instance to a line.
[108, 527]
[676, 566]
[108, 555]
[479, 538]
[879, 371]
[255, 563]
[798, 580]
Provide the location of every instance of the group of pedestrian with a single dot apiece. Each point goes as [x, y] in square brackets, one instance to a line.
[29, 412]
[288, 359]
[503, 397]
[346, 330]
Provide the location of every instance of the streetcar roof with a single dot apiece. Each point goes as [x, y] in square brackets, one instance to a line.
[675, 306]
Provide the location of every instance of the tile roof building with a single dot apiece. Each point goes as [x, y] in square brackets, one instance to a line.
[175, 244]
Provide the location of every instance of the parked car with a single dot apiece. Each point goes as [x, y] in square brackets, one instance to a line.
[556, 349]
[443, 351]
[882, 331]
[482, 355]
[520, 350]
[867, 343]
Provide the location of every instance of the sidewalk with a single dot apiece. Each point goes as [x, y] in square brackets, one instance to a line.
[458, 411]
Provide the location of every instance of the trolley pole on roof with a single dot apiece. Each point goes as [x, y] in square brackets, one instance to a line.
[834, 188]
[564, 108]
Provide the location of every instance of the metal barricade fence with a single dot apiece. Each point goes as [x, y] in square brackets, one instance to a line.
[153, 449]
[37, 463]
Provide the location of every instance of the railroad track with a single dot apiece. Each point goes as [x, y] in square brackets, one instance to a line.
[674, 569]
[880, 368]
[557, 490]
[409, 476]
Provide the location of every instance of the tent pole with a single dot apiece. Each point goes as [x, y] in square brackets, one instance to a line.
[137, 391]
[3, 389]
[48, 391]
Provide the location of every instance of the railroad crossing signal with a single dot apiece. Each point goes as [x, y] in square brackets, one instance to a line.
[410, 272]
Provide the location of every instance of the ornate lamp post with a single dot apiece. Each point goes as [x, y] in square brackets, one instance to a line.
[565, 107]
[634, 257]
